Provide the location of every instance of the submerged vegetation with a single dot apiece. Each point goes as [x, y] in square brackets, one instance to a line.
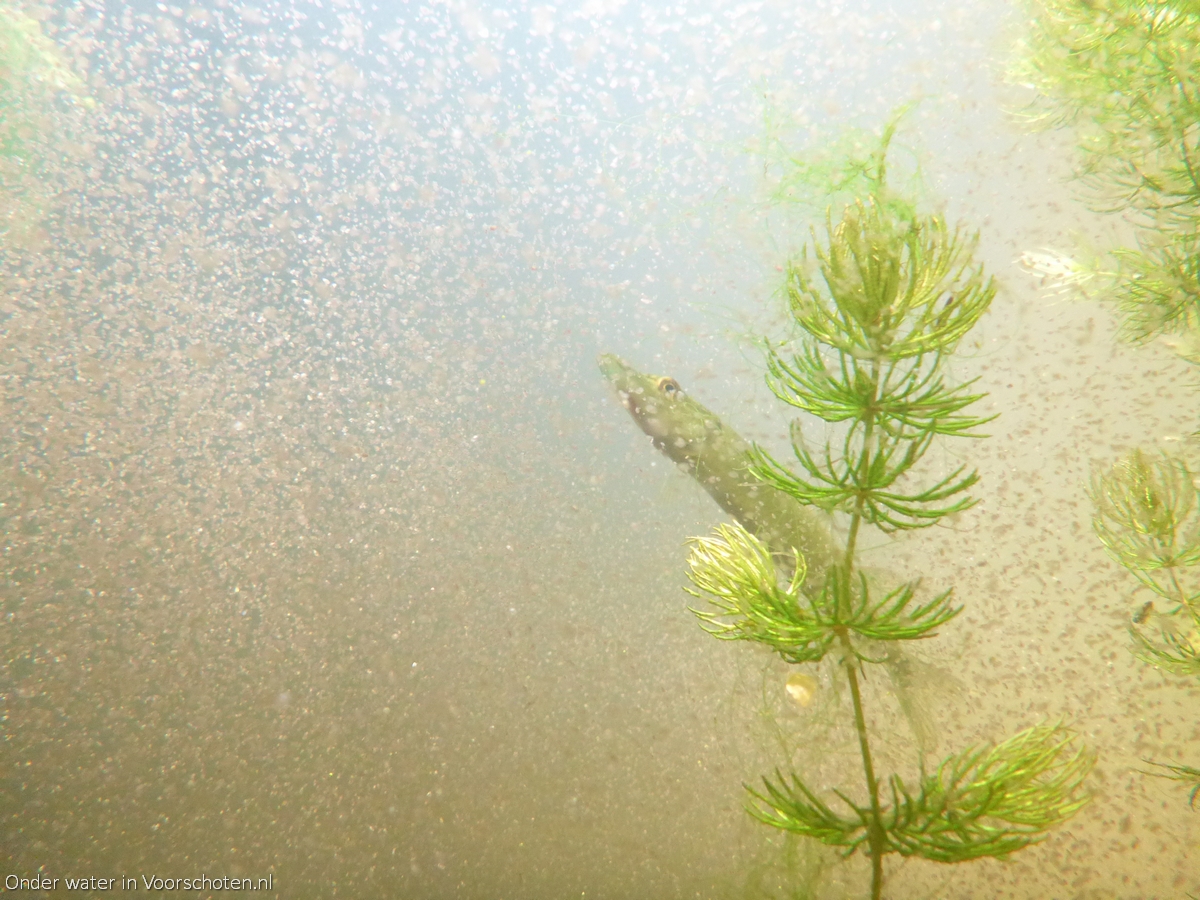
[880, 310]
[33, 75]
[1124, 75]
[1148, 520]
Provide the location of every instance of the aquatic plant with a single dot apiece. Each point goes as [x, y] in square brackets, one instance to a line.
[32, 74]
[1185, 774]
[845, 166]
[1147, 517]
[880, 307]
[1123, 73]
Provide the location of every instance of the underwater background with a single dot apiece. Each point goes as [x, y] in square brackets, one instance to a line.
[327, 552]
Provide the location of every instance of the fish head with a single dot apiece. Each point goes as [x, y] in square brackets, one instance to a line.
[678, 425]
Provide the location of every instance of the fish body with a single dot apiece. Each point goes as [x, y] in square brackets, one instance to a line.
[696, 440]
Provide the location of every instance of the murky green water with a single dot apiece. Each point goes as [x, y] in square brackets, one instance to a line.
[326, 554]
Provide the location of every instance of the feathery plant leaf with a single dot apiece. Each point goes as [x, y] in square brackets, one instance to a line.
[1184, 774]
[1121, 44]
[1173, 652]
[789, 804]
[746, 602]
[895, 287]
[736, 573]
[891, 617]
[900, 294]
[858, 481]
[1146, 513]
[913, 396]
[1158, 285]
[1124, 73]
[1148, 518]
[856, 163]
[991, 801]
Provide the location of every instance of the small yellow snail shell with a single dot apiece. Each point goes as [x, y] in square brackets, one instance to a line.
[802, 688]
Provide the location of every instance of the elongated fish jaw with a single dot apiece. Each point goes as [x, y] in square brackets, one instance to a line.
[635, 390]
[678, 425]
[619, 373]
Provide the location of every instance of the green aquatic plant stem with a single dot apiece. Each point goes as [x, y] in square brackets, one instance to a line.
[864, 468]
[876, 844]
[850, 660]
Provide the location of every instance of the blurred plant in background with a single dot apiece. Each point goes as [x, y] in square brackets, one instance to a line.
[842, 168]
[1146, 516]
[34, 80]
[1125, 75]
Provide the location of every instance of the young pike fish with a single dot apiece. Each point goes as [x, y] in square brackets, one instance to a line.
[712, 453]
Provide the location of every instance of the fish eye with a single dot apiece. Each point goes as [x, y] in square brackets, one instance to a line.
[669, 386]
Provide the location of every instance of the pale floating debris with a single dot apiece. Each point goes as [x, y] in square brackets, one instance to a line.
[1058, 271]
[1186, 346]
[802, 688]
